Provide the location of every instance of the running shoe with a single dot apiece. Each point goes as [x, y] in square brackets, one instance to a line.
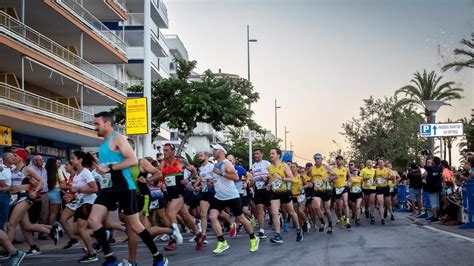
[72, 243]
[299, 235]
[348, 225]
[305, 228]
[171, 245]
[16, 259]
[261, 235]
[277, 239]
[233, 230]
[382, 222]
[110, 261]
[392, 218]
[165, 238]
[54, 233]
[127, 263]
[285, 227]
[321, 227]
[200, 242]
[89, 258]
[221, 247]
[33, 251]
[367, 214]
[160, 262]
[192, 239]
[329, 230]
[254, 243]
[177, 235]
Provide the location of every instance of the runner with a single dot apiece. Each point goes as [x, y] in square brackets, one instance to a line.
[262, 195]
[382, 175]
[309, 192]
[25, 186]
[341, 193]
[173, 174]
[392, 183]
[369, 189]
[205, 186]
[281, 180]
[227, 196]
[116, 157]
[355, 194]
[16, 256]
[298, 196]
[70, 208]
[321, 178]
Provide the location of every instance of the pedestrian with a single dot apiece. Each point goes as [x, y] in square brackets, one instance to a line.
[5, 187]
[415, 183]
[434, 179]
[447, 174]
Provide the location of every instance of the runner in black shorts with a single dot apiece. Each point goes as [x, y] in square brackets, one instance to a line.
[262, 195]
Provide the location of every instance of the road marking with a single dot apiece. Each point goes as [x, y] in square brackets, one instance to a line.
[449, 233]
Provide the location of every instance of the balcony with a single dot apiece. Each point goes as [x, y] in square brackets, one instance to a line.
[25, 35]
[203, 129]
[176, 47]
[94, 24]
[158, 12]
[134, 34]
[135, 65]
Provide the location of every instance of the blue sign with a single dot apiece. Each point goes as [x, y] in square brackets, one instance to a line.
[425, 130]
[441, 130]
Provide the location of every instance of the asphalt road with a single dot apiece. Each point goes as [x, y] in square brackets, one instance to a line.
[397, 243]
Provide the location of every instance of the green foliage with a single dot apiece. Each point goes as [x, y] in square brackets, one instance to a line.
[467, 52]
[384, 130]
[238, 146]
[427, 87]
[214, 99]
[467, 140]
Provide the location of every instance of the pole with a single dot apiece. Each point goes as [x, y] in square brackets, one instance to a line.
[432, 139]
[276, 119]
[250, 107]
[147, 75]
[285, 137]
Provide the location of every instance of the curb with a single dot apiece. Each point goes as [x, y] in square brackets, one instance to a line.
[466, 235]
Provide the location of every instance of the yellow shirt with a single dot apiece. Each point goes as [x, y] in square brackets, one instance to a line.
[394, 175]
[319, 176]
[341, 177]
[307, 177]
[356, 184]
[368, 177]
[278, 185]
[297, 186]
[381, 177]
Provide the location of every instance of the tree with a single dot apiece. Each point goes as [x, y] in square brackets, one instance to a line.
[238, 146]
[467, 140]
[427, 87]
[181, 103]
[467, 51]
[383, 130]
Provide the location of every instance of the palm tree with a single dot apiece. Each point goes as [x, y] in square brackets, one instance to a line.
[467, 140]
[467, 51]
[426, 87]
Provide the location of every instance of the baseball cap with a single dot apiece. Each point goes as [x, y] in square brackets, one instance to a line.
[317, 156]
[218, 147]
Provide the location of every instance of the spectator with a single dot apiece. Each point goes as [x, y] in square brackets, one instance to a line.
[39, 211]
[416, 184]
[5, 186]
[451, 203]
[447, 174]
[433, 185]
[55, 178]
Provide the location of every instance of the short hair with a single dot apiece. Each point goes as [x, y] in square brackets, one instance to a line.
[437, 160]
[309, 164]
[278, 151]
[169, 145]
[5, 155]
[106, 116]
[258, 149]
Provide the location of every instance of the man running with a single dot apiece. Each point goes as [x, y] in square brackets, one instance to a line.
[227, 196]
[382, 175]
[262, 195]
[368, 174]
[115, 158]
[281, 178]
[341, 193]
[205, 186]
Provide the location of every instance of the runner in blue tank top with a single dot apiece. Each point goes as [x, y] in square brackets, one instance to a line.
[116, 156]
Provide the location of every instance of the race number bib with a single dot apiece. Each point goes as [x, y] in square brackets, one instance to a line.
[155, 204]
[277, 185]
[356, 190]
[319, 183]
[105, 181]
[170, 181]
[204, 187]
[339, 190]
[13, 199]
[381, 181]
[72, 205]
[392, 189]
[79, 199]
[301, 198]
[370, 182]
[260, 184]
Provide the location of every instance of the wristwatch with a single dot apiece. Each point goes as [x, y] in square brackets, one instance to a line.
[111, 167]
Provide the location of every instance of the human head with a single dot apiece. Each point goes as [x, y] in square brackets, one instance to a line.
[318, 159]
[429, 162]
[69, 168]
[104, 123]
[131, 142]
[413, 166]
[352, 164]
[38, 161]
[437, 161]
[294, 167]
[339, 160]
[58, 162]
[168, 151]
[308, 166]
[218, 151]
[275, 154]
[361, 165]
[258, 154]
[369, 164]
[232, 159]
[388, 164]
[159, 157]
[82, 159]
[203, 156]
[381, 163]
[7, 158]
[445, 164]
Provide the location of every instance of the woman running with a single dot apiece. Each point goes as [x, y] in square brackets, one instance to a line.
[382, 176]
[355, 194]
[298, 197]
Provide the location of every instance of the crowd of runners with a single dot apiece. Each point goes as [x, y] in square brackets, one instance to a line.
[162, 197]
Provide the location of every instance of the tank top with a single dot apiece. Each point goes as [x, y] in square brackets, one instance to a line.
[260, 173]
[341, 173]
[225, 188]
[320, 178]
[356, 186]
[278, 185]
[368, 177]
[297, 186]
[142, 188]
[115, 179]
[173, 174]
[381, 177]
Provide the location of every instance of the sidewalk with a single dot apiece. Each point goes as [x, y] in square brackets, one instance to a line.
[450, 229]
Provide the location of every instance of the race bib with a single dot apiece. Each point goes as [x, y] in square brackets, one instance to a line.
[319, 183]
[301, 198]
[105, 181]
[356, 190]
[13, 199]
[79, 199]
[260, 184]
[277, 185]
[339, 190]
[155, 204]
[204, 187]
[170, 181]
[370, 182]
[381, 180]
[72, 205]
[392, 189]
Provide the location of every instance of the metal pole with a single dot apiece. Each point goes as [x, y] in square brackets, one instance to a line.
[250, 107]
[23, 11]
[147, 75]
[23, 72]
[285, 138]
[432, 139]
[276, 119]
[82, 97]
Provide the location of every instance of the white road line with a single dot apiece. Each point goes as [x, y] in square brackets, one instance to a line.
[449, 233]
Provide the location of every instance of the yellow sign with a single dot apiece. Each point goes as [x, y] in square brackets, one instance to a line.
[136, 116]
[5, 136]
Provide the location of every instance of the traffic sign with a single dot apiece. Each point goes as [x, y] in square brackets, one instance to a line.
[441, 130]
[136, 122]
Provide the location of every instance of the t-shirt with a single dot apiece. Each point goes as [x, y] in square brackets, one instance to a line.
[368, 177]
[205, 172]
[416, 181]
[447, 175]
[80, 181]
[41, 171]
[240, 173]
[341, 173]
[356, 184]
[6, 175]
[381, 177]
[260, 172]
[433, 179]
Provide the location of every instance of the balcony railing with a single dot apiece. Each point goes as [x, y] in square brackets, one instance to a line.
[121, 4]
[95, 24]
[35, 39]
[43, 105]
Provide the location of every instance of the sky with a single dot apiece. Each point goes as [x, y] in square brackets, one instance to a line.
[319, 59]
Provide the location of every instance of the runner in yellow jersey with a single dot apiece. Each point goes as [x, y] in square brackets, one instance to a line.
[281, 178]
[321, 178]
[355, 194]
[392, 183]
[382, 175]
[368, 175]
[298, 197]
[309, 192]
[341, 193]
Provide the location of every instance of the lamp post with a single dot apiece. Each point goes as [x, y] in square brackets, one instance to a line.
[248, 78]
[286, 132]
[432, 106]
[276, 118]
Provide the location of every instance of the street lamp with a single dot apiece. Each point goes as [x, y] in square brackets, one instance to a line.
[432, 106]
[286, 132]
[248, 78]
[276, 118]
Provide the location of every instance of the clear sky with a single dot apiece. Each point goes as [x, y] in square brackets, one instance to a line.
[321, 58]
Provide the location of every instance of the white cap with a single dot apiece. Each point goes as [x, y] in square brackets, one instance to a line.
[218, 147]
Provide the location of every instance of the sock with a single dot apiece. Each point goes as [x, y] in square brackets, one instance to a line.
[101, 237]
[220, 238]
[148, 240]
[330, 224]
[321, 220]
[252, 236]
[347, 220]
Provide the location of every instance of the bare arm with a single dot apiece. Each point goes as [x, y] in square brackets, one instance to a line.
[289, 175]
[126, 150]
[332, 176]
[90, 189]
[145, 166]
[228, 171]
